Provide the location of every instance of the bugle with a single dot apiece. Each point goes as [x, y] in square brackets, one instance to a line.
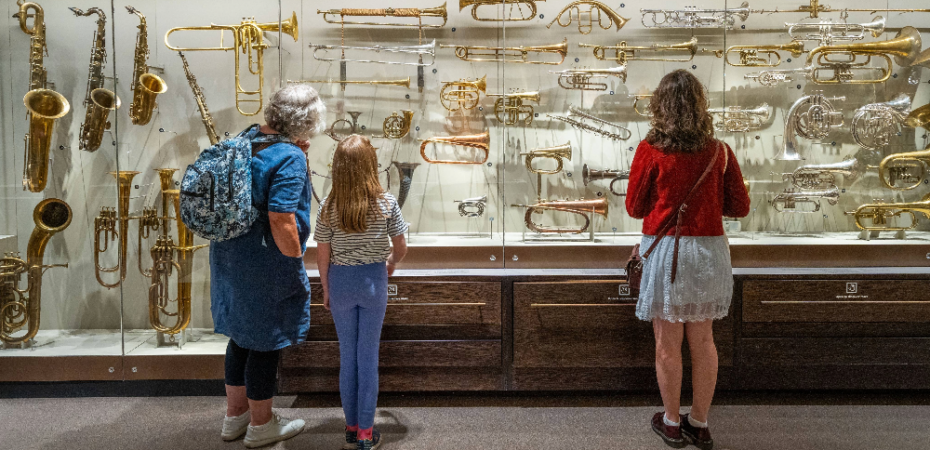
[515, 55]
[583, 208]
[856, 58]
[762, 55]
[396, 126]
[811, 117]
[601, 129]
[821, 176]
[589, 175]
[510, 16]
[558, 153]
[510, 108]
[880, 215]
[890, 169]
[874, 125]
[596, 12]
[624, 52]
[789, 200]
[480, 142]
[738, 119]
[463, 94]
[419, 50]
[829, 32]
[472, 207]
[582, 79]
[397, 13]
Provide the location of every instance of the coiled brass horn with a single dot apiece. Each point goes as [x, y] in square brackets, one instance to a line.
[821, 176]
[880, 214]
[510, 109]
[583, 208]
[589, 175]
[596, 12]
[475, 4]
[875, 124]
[105, 230]
[641, 110]
[811, 117]
[481, 142]
[396, 126]
[890, 169]
[558, 153]
[738, 119]
[581, 79]
[905, 47]
[463, 94]
[472, 207]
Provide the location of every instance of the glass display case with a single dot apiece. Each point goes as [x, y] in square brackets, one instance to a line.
[508, 142]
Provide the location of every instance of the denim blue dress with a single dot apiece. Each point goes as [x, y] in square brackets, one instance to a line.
[260, 297]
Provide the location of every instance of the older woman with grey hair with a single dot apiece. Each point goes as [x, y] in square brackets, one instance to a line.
[259, 290]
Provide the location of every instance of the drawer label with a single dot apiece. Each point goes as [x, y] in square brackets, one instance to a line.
[392, 290]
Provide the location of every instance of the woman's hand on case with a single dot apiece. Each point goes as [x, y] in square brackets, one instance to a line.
[391, 265]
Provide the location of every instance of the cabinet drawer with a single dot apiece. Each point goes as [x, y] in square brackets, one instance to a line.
[451, 354]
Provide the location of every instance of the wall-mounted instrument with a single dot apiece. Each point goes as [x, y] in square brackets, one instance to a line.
[822, 176]
[584, 79]
[576, 118]
[145, 86]
[558, 154]
[874, 125]
[811, 117]
[402, 15]
[516, 55]
[881, 216]
[615, 176]
[738, 119]
[694, 17]
[842, 62]
[642, 110]
[462, 94]
[479, 142]
[510, 108]
[790, 200]
[773, 77]
[348, 128]
[248, 39]
[589, 12]
[584, 208]
[205, 115]
[828, 32]
[405, 170]
[20, 306]
[419, 50]
[396, 126]
[761, 55]
[113, 225]
[98, 101]
[890, 169]
[472, 207]
[400, 83]
[513, 9]
[919, 118]
[814, 8]
[624, 52]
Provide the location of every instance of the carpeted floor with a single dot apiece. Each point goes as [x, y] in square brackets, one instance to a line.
[469, 423]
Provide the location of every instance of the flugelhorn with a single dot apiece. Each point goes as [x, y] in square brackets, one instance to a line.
[589, 175]
[517, 55]
[602, 129]
[480, 142]
[811, 117]
[773, 77]
[623, 52]
[463, 94]
[397, 13]
[738, 119]
[248, 39]
[880, 214]
[145, 86]
[419, 50]
[558, 153]
[405, 170]
[510, 108]
[762, 55]
[889, 169]
[821, 176]
[396, 126]
[105, 230]
[789, 200]
[855, 58]
[98, 100]
[874, 125]
[693, 17]
[510, 16]
[582, 79]
[829, 32]
[472, 207]
[583, 208]
[400, 83]
[595, 12]
[641, 110]
[20, 307]
[352, 127]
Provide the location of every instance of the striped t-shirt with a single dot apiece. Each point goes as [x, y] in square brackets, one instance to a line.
[368, 247]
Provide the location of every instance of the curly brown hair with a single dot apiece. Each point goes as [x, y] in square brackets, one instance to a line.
[680, 121]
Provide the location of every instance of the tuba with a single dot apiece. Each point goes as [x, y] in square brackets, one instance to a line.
[821, 176]
[624, 52]
[557, 153]
[399, 13]
[762, 55]
[475, 4]
[811, 117]
[892, 167]
[405, 169]
[472, 207]
[601, 129]
[205, 115]
[249, 40]
[99, 101]
[737, 119]
[145, 86]
[580, 207]
[463, 94]
[21, 307]
[481, 142]
[397, 127]
[516, 55]
[596, 12]
[580, 79]
[874, 125]
[105, 230]
[827, 32]
[843, 61]
[879, 214]
[789, 200]
[509, 108]
[588, 175]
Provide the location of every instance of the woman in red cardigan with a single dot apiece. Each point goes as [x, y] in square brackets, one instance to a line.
[683, 294]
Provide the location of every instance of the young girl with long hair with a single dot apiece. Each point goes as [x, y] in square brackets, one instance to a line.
[355, 229]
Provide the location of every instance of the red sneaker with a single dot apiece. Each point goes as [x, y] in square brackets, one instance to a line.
[700, 437]
[671, 435]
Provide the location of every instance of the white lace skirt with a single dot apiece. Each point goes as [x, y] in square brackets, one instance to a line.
[703, 285]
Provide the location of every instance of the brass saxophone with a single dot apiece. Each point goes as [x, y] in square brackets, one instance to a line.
[145, 86]
[99, 101]
[44, 105]
[201, 103]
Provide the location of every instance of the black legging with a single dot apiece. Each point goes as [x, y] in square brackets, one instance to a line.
[255, 370]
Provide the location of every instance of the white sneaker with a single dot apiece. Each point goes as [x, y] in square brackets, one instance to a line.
[277, 429]
[235, 427]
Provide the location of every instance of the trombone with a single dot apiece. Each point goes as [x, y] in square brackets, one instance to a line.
[516, 55]
[475, 4]
[879, 214]
[737, 119]
[583, 208]
[509, 108]
[789, 200]
[905, 47]
[596, 12]
[589, 175]
[481, 142]
[462, 94]
[602, 128]
[762, 55]
[400, 13]
[828, 32]
[624, 52]
[581, 79]
[558, 153]
[247, 39]
[420, 50]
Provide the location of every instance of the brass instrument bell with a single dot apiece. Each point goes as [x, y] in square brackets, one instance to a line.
[596, 12]
[589, 175]
[44, 107]
[905, 48]
[557, 153]
[463, 94]
[880, 214]
[580, 207]
[481, 142]
[475, 4]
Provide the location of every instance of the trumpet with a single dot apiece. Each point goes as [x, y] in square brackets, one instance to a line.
[145, 86]
[472, 207]
[890, 169]
[644, 111]
[516, 55]
[811, 117]
[509, 108]
[557, 153]
[400, 83]
[762, 55]
[420, 50]
[589, 175]
[880, 214]
[480, 142]
[399, 13]
[827, 32]
[789, 200]
[463, 94]
[821, 176]
[248, 39]
[580, 79]
[105, 230]
[624, 52]
[583, 208]
[692, 17]
[353, 127]
[475, 4]
[905, 47]
[875, 124]
[602, 125]
[596, 12]
[919, 118]
[737, 119]
[773, 77]
[396, 126]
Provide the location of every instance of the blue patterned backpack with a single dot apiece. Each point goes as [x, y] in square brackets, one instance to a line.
[216, 191]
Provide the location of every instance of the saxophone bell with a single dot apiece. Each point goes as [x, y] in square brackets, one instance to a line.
[44, 107]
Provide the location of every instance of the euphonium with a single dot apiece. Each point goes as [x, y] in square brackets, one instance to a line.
[811, 117]
[828, 32]
[624, 52]
[621, 135]
[475, 4]
[557, 153]
[889, 175]
[425, 49]
[463, 94]
[481, 142]
[516, 55]
[396, 127]
[472, 207]
[789, 200]
[762, 55]
[405, 170]
[580, 79]
[879, 214]
[21, 307]
[874, 125]
[588, 175]
[905, 47]
[737, 119]
[99, 101]
[249, 40]
[692, 17]
[205, 115]
[145, 86]
[105, 230]
[509, 108]
[919, 118]
[579, 207]
[596, 12]
[418, 14]
[821, 176]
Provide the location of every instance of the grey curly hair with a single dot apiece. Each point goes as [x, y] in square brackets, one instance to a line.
[296, 112]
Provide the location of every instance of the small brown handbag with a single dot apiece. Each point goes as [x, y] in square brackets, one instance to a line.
[634, 265]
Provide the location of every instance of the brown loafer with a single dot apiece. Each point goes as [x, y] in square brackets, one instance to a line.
[699, 437]
[671, 435]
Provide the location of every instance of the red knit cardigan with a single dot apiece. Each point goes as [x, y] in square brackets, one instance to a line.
[660, 181]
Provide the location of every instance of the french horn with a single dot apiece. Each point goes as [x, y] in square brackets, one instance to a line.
[558, 154]
[874, 125]
[472, 207]
[515, 55]
[397, 126]
[829, 32]
[811, 117]
[602, 127]
[583, 208]
[510, 16]
[738, 119]
[582, 79]
[589, 175]
[596, 12]
[789, 200]
[624, 52]
[880, 215]
[462, 94]
[438, 12]
[842, 62]
[511, 109]
[479, 142]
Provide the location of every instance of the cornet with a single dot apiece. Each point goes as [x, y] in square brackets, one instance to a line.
[643, 111]
[890, 168]
[509, 108]
[822, 176]
[789, 200]
[811, 117]
[472, 207]
[419, 50]
[855, 58]
[581, 79]
[462, 94]
[580, 207]
[516, 55]
[827, 32]
[762, 55]
[557, 153]
[737, 119]
[773, 77]
[589, 175]
[692, 17]
[396, 126]
[352, 127]
[481, 142]
[601, 129]
[249, 40]
[596, 12]
[475, 4]
[623, 52]
[874, 125]
[879, 214]
[399, 13]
